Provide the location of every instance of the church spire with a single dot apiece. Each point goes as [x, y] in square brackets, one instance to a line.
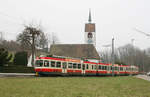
[90, 19]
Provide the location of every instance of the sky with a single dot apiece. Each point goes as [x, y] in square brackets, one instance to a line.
[67, 18]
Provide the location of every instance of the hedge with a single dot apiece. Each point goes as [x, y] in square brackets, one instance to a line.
[16, 69]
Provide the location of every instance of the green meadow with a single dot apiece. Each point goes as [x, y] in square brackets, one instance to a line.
[74, 87]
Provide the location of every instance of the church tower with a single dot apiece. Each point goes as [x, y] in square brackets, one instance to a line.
[90, 34]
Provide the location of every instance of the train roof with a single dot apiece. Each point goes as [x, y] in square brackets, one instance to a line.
[79, 61]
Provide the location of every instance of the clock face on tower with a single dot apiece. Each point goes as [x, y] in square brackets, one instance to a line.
[90, 41]
[90, 35]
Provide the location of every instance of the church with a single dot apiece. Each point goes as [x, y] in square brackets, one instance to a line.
[83, 51]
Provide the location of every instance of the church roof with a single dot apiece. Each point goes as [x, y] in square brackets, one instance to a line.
[75, 50]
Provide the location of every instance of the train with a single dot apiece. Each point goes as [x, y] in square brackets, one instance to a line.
[63, 66]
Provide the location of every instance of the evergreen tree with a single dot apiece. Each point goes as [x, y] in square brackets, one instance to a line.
[21, 58]
[5, 57]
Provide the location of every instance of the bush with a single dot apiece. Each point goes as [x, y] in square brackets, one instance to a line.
[5, 57]
[21, 58]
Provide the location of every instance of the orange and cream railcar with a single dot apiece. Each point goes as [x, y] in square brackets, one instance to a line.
[89, 68]
[72, 66]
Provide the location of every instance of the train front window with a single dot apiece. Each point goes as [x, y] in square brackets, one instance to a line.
[39, 63]
[46, 63]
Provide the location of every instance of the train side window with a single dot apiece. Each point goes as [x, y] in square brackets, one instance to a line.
[58, 64]
[110, 67]
[107, 68]
[87, 66]
[124, 69]
[46, 63]
[79, 66]
[92, 67]
[103, 68]
[52, 63]
[83, 67]
[74, 65]
[95, 67]
[69, 65]
[121, 68]
[64, 64]
[116, 68]
[100, 67]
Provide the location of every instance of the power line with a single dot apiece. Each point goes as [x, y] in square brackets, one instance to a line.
[147, 34]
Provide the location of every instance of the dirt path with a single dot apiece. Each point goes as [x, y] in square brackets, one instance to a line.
[17, 74]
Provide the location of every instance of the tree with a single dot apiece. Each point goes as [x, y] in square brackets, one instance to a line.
[42, 41]
[5, 57]
[28, 37]
[11, 46]
[106, 56]
[129, 55]
[24, 39]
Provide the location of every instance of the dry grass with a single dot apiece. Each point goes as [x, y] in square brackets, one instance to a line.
[74, 87]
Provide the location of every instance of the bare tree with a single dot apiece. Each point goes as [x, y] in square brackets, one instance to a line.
[129, 55]
[106, 56]
[42, 41]
[28, 37]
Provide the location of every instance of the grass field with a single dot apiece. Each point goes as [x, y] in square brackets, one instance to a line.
[74, 87]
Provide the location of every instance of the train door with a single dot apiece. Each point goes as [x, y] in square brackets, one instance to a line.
[64, 67]
[83, 68]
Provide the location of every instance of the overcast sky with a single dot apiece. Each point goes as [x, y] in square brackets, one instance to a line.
[67, 18]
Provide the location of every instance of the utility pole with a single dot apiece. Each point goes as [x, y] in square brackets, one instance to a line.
[113, 58]
[133, 54]
[144, 62]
